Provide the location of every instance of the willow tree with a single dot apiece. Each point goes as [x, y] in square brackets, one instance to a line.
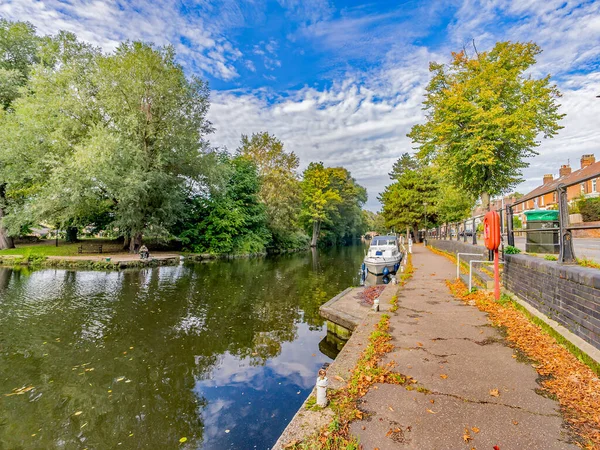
[120, 135]
[484, 114]
[18, 52]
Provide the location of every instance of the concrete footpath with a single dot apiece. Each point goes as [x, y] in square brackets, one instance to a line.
[474, 393]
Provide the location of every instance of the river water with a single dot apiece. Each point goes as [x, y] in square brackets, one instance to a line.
[210, 356]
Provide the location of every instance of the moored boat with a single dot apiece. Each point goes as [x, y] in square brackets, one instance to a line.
[384, 256]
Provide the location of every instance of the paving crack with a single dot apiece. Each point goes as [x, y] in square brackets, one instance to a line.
[485, 402]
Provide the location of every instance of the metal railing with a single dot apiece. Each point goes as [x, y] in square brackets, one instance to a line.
[460, 230]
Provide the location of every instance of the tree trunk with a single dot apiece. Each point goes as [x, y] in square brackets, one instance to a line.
[135, 243]
[485, 201]
[315, 233]
[71, 234]
[5, 240]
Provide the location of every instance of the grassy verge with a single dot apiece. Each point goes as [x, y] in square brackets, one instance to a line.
[63, 249]
[565, 372]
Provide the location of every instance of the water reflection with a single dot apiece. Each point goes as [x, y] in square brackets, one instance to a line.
[221, 354]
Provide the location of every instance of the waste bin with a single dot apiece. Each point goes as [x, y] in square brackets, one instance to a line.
[545, 226]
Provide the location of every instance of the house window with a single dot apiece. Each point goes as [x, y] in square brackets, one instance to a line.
[582, 188]
[594, 181]
[554, 197]
[542, 202]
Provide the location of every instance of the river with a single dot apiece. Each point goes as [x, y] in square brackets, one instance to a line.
[205, 356]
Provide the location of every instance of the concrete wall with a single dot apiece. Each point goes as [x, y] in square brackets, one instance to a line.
[568, 294]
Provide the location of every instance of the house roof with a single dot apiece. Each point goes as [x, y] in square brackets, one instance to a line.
[570, 179]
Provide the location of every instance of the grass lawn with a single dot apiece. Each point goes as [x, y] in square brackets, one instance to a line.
[48, 248]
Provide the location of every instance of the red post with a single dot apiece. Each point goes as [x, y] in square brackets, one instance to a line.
[496, 275]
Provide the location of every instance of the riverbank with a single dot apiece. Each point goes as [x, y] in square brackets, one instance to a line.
[112, 258]
[310, 419]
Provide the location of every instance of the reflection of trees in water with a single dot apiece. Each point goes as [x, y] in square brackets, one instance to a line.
[178, 323]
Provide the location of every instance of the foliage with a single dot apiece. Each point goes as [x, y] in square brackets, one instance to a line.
[374, 222]
[404, 200]
[517, 223]
[564, 374]
[584, 262]
[331, 203]
[453, 205]
[484, 114]
[589, 208]
[129, 141]
[18, 52]
[510, 250]
[231, 220]
[550, 258]
[280, 188]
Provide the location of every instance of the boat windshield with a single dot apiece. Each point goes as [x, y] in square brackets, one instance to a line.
[378, 242]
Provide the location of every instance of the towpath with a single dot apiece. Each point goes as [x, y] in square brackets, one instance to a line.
[474, 393]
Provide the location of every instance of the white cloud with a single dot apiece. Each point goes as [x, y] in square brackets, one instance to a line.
[360, 124]
[201, 44]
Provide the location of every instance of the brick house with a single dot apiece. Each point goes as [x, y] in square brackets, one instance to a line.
[589, 188]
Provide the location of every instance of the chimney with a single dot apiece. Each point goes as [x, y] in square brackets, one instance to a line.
[548, 178]
[587, 160]
[565, 169]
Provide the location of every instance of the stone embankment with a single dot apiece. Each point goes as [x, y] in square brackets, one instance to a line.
[344, 310]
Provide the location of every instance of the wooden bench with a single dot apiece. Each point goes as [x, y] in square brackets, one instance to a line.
[89, 249]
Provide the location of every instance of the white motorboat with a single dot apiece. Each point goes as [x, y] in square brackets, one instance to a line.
[383, 256]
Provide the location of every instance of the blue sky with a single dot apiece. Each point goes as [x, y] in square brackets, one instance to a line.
[342, 81]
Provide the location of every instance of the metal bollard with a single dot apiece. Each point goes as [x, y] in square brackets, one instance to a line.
[376, 304]
[322, 389]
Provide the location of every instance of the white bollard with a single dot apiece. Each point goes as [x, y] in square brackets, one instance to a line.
[322, 389]
[376, 304]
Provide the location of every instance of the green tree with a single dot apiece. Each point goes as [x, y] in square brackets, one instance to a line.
[412, 198]
[18, 52]
[374, 222]
[484, 114]
[453, 205]
[231, 219]
[280, 187]
[319, 197]
[404, 163]
[346, 221]
[121, 134]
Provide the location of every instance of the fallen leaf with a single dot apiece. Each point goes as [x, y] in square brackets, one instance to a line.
[466, 436]
[358, 414]
[77, 413]
[494, 393]
[444, 376]
[419, 344]
[514, 356]
[431, 412]
[391, 409]
[227, 431]
[183, 439]
[432, 401]
[475, 429]
[515, 422]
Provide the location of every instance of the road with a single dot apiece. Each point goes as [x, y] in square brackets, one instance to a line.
[585, 248]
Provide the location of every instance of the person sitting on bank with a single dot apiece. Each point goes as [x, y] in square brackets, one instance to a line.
[144, 254]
